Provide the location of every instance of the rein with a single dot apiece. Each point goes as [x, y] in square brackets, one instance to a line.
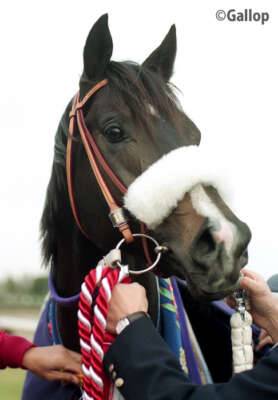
[94, 156]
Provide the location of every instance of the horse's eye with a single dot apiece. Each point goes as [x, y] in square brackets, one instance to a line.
[114, 134]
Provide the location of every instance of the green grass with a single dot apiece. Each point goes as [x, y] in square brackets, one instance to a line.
[11, 381]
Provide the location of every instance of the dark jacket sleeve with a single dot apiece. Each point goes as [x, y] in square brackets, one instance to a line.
[143, 367]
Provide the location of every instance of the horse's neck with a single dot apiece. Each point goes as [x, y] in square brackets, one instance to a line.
[73, 261]
[74, 257]
[148, 280]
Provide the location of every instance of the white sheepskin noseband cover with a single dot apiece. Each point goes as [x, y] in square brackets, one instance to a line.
[156, 192]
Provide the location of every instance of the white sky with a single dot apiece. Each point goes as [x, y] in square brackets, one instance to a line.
[227, 72]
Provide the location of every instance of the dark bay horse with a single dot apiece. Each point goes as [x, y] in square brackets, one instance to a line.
[135, 120]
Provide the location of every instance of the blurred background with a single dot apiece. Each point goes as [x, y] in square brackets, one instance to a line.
[20, 303]
[227, 75]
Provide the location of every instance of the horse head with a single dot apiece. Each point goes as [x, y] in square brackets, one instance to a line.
[136, 120]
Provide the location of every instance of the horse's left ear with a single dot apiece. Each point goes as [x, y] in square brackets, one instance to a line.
[162, 59]
[98, 49]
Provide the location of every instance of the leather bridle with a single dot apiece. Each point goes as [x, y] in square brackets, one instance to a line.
[95, 157]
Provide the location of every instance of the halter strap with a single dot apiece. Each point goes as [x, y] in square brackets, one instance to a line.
[63, 301]
[94, 155]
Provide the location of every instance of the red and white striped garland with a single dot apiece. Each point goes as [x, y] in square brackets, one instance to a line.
[94, 339]
[95, 295]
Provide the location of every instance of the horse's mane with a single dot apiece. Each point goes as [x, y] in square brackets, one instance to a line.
[56, 208]
[136, 86]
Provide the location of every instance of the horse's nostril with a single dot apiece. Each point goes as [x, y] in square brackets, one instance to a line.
[244, 258]
[245, 254]
[206, 251]
[205, 243]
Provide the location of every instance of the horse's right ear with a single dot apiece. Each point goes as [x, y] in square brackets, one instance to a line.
[98, 49]
[162, 59]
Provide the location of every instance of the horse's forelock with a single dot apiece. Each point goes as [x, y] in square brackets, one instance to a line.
[138, 87]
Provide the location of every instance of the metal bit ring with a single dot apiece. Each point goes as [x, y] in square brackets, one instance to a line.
[154, 264]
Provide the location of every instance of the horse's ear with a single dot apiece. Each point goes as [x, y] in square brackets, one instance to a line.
[162, 59]
[98, 49]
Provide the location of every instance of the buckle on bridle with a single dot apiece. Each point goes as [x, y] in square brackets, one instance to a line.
[241, 299]
[118, 217]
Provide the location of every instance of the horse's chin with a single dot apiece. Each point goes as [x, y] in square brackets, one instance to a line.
[205, 295]
[197, 290]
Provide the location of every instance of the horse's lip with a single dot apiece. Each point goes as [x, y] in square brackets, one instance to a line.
[212, 295]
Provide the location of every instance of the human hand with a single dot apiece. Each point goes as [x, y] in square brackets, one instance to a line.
[264, 339]
[264, 306]
[53, 363]
[126, 299]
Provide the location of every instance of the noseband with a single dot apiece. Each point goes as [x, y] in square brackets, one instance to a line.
[95, 157]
